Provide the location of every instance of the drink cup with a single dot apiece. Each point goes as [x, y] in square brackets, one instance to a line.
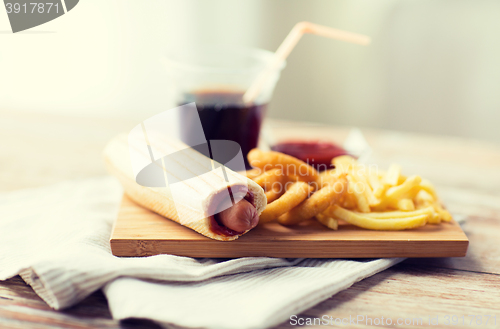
[215, 79]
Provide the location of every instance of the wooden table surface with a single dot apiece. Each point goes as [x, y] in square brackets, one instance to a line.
[41, 149]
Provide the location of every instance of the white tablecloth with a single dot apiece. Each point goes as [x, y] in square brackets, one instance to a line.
[57, 239]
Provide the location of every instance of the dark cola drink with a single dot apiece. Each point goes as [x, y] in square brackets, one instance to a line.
[224, 116]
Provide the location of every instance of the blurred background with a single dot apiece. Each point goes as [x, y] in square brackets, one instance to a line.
[433, 66]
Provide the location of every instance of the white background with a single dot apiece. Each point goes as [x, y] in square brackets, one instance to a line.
[433, 66]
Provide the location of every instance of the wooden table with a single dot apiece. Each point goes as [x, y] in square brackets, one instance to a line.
[40, 149]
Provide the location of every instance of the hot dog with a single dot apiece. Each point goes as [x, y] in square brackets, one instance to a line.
[241, 217]
[195, 203]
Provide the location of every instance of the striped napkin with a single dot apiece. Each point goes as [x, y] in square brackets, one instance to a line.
[57, 239]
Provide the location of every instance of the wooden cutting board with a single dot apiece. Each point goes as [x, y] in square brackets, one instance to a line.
[140, 232]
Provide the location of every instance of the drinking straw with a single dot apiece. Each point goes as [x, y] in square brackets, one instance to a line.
[290, 42]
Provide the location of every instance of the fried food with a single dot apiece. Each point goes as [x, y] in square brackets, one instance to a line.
[385, 195]
[399, 191]
[252, 173]
[293, 196]
[357, 194]
[399, 214]
[328, 221]
[274, 193]
[316, 203]
[268, 178]
[288, 164]
[406, 205]
[361, 220]
[392, 176]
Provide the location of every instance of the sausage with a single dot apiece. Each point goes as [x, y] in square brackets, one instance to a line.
[241, 217]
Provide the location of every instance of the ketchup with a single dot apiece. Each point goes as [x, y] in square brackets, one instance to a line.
[220, 229]
[318, 154]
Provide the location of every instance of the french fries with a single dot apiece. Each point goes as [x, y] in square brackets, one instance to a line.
[365, 197]
[406, 205]
[400, 214]
[394, 224]
[328, 221]
[385, 195]
[399, 191]
[359, 194]
[392, 176]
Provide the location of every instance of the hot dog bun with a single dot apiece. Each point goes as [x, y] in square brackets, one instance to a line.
[161, 201]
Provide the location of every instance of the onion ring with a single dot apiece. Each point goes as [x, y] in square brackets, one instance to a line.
[268, 178]
[316, 204]
[288, 164]
[293, 196]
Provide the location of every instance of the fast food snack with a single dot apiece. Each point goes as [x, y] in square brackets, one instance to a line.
[210, 193]
[315, 204]
[328, 221]
[370, 223]
[353, 193]
[381, 200]
[293, 196]
[269, 178]
[252, 173]
[304, 198]
[275, 192]
[289, 165]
